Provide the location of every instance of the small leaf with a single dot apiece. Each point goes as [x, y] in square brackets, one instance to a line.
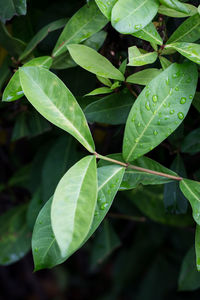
[143, 77]
[165, 63]
[191, 143]
[188, 31]
[197, 246]
[136, 58]
[158, 111]
[176, 5]
[176, 14]
[150, 34]
[83, 24]
[123, 66]
[191, 190]
[94, 62]
[105, 81]
[189, 50]
[106, 7]
[63, 111]
[8, 9]
[100, 91]
[73, 205]
[131, 16]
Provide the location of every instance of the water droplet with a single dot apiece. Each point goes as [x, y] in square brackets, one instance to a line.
[176, 88]
[137, 140]
[147, 105]
[155, 98]
[36, 250]
[158, 123]
[167, 81]
[151, 148]
[155, 132]
[176, 122]
[191, 97]
[40, 222]
[96, 213]
[147, 93]
[176, 75]
[180, 115]
[171, 112]
[138, 124]
[170, 91]
[104, 205]
[155, 112]
[165, 104]
[138, 26]
[160, 114]
[167, 117]
[133, 119]
[169, 104]
[183, 100]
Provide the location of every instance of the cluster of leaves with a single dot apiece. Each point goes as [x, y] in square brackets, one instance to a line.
[152, 102]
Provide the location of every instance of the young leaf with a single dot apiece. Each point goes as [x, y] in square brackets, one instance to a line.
[150, 34]
[176, 14]
[188, 31]
[197, 246]
[131, 16]
[100, 91]
[46, 253]
[73, 205]
[176, 5]
[41, 35]
[106, 7]
[143, 77]
[191, 190]
[94, 62]
[191, 143]
[159, 109]
[10, 8]
[63, 111]
[189, 50]
[83, 24]
[112, 109]
[165, 63]
[13, 90]
[136, 58]
[105, 81]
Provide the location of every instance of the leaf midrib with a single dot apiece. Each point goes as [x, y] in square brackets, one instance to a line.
[192, 193]
[180, 37]
[132, 12]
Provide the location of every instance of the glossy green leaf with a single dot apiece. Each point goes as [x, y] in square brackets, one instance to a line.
[83, 24]
[150, 34]
[46, 253]
[123, 66]
[112, 109]
[94, 62]
[100, 91]
[13, 90]
[164, 10]
[165, 63]
[191, 190]
[176, 5]
[189, 50]
[105, 81]
[159, 109]
[191, 143]
[74, 204]
[189, 277]
[188, 31]
[136, 58]
[10, 8]
[143, 77]
[41, 35]
[197, 246]
[15, 235]
[106, 7]
[61, 111]
[130, 16]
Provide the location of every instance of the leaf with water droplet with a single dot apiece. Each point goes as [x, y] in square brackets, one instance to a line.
[146, 115]
[106, 7]
[136, 58]
[149, 33]
[189, 50]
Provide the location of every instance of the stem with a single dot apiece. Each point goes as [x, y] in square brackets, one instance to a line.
[133, 167]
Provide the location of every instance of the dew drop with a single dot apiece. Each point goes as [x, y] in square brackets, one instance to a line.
[176, 88]
[183, 100]
[155, 132]
[133, 119]
[96, 213]
[171, 112]
[104, 205]
[175, 75]
[138, 124]
[166, 118]
[137, 140]
[147, 105]
[151, 148]
[158, 123]
[40, 222]
[180, 115]
[191, 97]
[147, 93]
[167, 81]
[36, 250]
[165, 104]
[170, 91]
[138, 26]
[155, 98]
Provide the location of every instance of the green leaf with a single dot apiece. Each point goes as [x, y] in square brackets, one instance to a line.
[13, 45]
[105, 242]
[191, 143]
[165, 63]
[130, 16]
[46, 253]
[197, 246]
[13, 90]
[105, 81]
[176, 5]
[83, 24]
[150, 34]
[112, 109]
[189, 278]
[157, 110]
[176, 14]
[143, 77]
[106, 7]
[191, 190]
[74, 204]
[100, 91]
[189, 50]
[34, 208]
[63, 111]
[10, 8]
[188, 31]
[123, 66]
[136, 58]
[41, 35]
[15, 235]
[94, 62]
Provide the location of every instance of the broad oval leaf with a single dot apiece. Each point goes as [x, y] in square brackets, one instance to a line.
[188, 31]
[159, 109]
[56, 103]
[189, 50]
[150, 34]
[13, 90]
[143, 77]
[175, 4]
[136, 58]
[106, 7]
[94, 62]
[191, 190]
[74, 204]
[164, 10]
[129, 16]
[84, 23]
